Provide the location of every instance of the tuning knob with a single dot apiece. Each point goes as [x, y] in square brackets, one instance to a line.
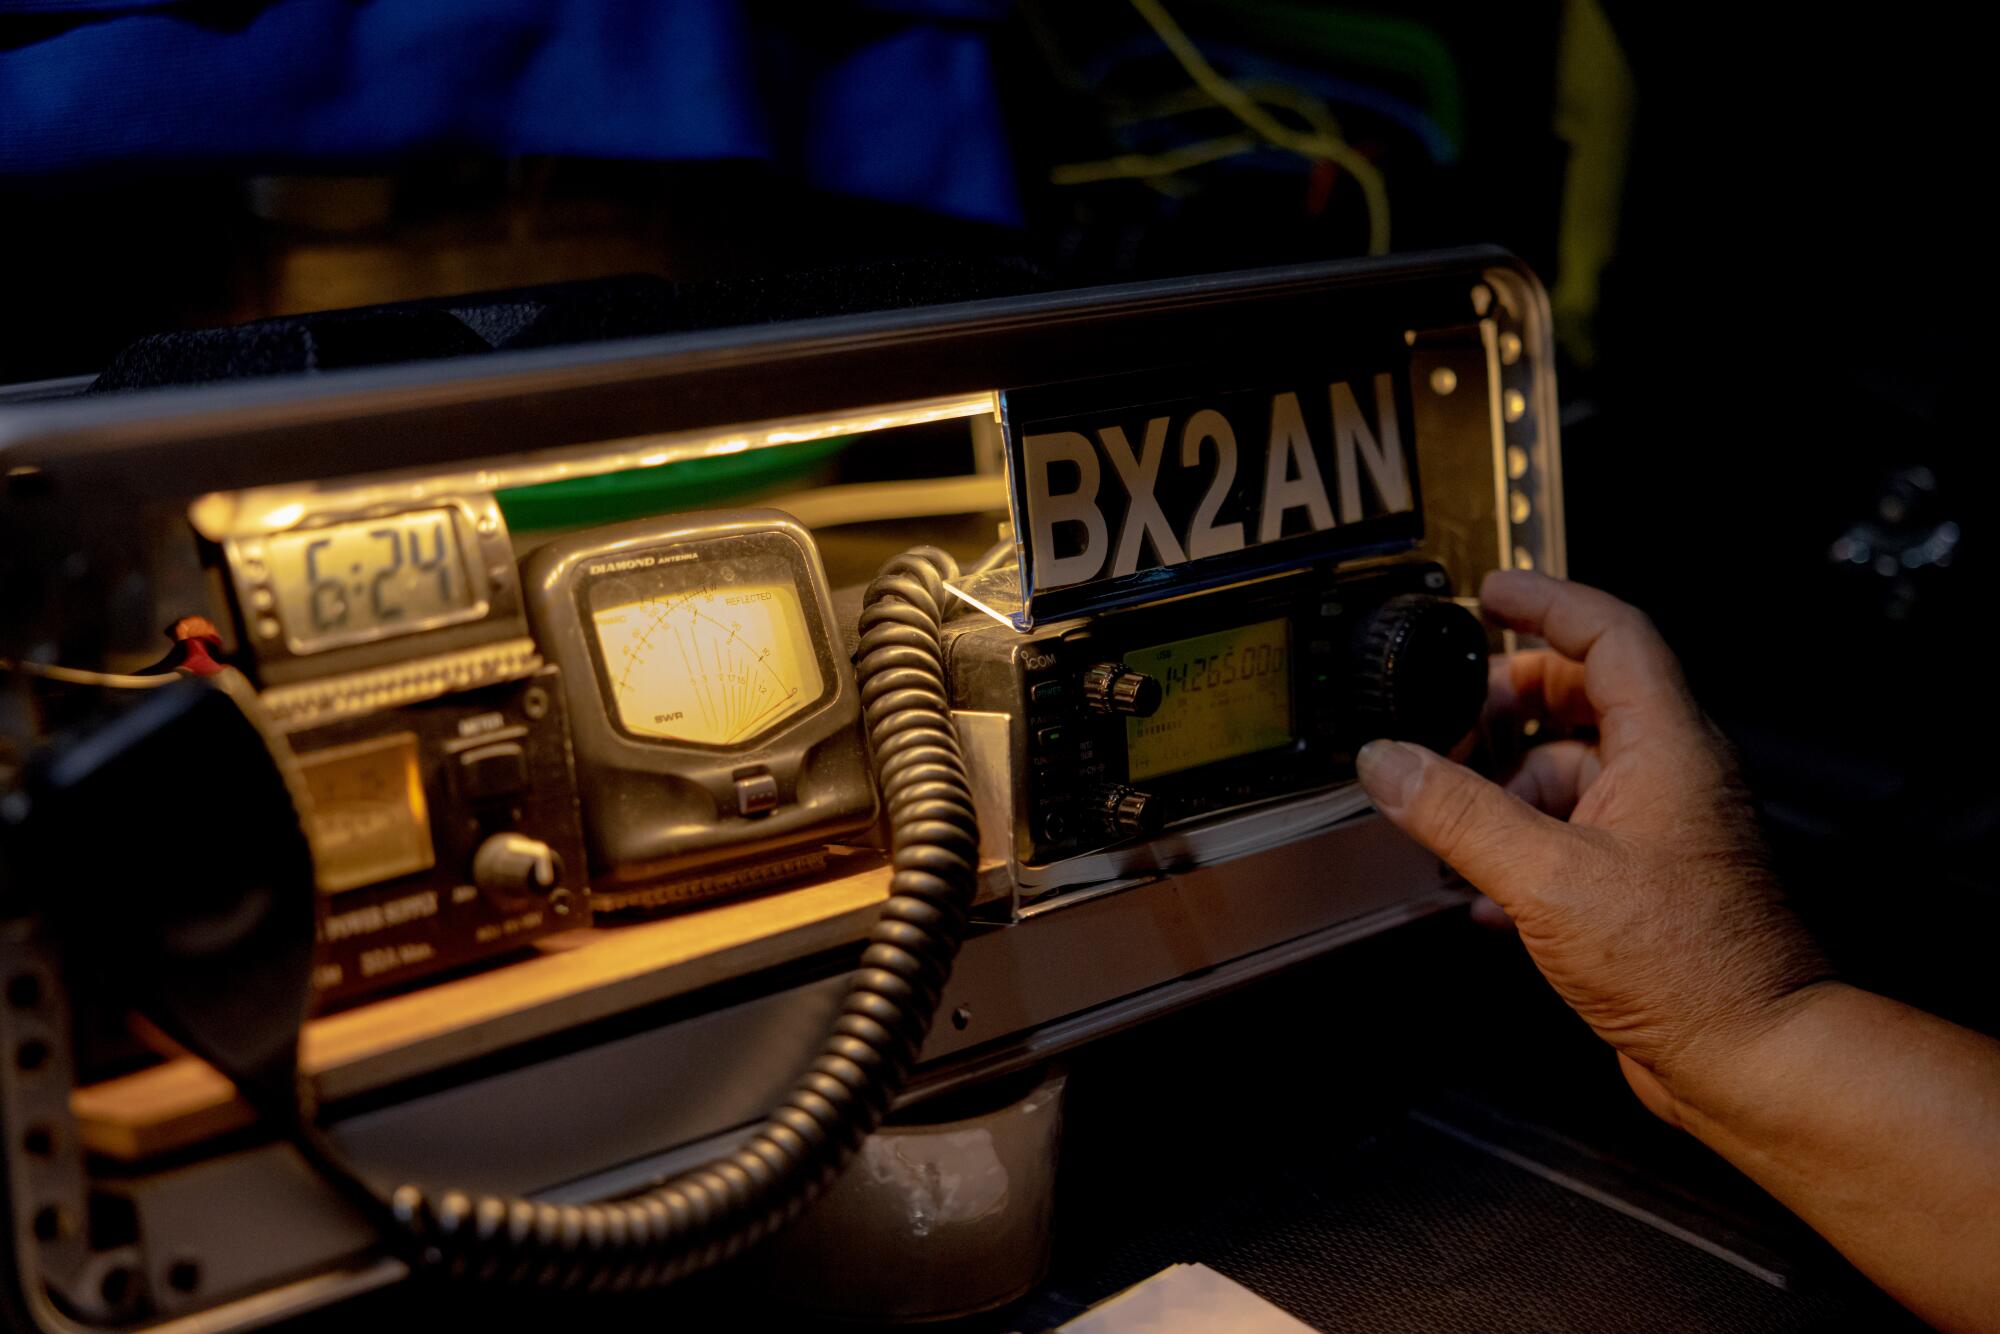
[1111, 687]
[514, 866]
[1126, 810]
[1419, 672]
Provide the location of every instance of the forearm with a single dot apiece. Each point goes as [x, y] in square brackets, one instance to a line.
[1879, 1125]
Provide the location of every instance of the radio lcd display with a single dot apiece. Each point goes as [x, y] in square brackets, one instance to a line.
[1223, 695]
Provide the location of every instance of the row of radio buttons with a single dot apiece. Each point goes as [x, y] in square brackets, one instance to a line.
[1416, 671]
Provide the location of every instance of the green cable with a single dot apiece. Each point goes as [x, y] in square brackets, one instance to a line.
[687, 485]
[1400, 46]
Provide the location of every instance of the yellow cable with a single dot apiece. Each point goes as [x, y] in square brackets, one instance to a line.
[1269, 92]
[1154, 167]
[1308, 108]
[1245, 108]
[1130, 166]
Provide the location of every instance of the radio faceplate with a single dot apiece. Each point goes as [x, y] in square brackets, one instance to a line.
[444, 833]
[1122, 724]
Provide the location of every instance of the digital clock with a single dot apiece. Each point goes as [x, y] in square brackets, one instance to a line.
[347, 583]
[376, 602]
[717, 729]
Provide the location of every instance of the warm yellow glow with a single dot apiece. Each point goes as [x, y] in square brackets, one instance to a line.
[370, 821]
[241, 513]
[715, 666]
[908, 498]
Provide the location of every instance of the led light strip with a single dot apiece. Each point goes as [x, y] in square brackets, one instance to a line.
[270, 509]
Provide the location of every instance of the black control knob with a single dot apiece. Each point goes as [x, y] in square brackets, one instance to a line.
[1127, 811]
[1419, 672]
[514, 866]
[1111, 687]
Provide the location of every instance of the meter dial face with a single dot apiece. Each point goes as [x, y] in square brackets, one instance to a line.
[713, 650]
[370, 821]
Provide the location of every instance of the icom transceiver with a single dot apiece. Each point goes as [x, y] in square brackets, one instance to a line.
[1121, 724]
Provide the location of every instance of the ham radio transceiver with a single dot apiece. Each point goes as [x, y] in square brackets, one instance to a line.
[509, 664]
[1123, 724]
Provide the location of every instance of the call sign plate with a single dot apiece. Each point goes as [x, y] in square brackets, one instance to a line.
[1134, 489]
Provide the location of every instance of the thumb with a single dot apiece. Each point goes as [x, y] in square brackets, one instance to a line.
[1504, 846]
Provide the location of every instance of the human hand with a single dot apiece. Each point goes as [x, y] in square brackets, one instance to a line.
[1631, 864]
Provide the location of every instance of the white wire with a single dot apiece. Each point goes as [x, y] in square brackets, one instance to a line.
[83, 677]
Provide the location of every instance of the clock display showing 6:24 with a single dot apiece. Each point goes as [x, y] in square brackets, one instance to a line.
[370, 578]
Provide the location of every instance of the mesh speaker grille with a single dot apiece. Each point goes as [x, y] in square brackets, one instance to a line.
[1416, 1232]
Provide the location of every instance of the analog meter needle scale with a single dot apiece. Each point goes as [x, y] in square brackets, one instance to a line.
[713, 665]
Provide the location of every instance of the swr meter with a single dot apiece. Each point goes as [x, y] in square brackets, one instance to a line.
[718, 733]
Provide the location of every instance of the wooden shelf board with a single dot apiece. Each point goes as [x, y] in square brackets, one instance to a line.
[573, 979]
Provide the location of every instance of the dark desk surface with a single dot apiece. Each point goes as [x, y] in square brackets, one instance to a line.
[1410, 1135]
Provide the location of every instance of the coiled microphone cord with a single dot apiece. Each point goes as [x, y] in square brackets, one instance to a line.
[712, 1212]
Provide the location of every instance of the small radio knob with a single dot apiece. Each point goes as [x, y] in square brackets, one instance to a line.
[1126, 810]
[1419, 672]
[1112, 687]
[514, 866]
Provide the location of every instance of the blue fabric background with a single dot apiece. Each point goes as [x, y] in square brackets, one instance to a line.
[906, 112]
